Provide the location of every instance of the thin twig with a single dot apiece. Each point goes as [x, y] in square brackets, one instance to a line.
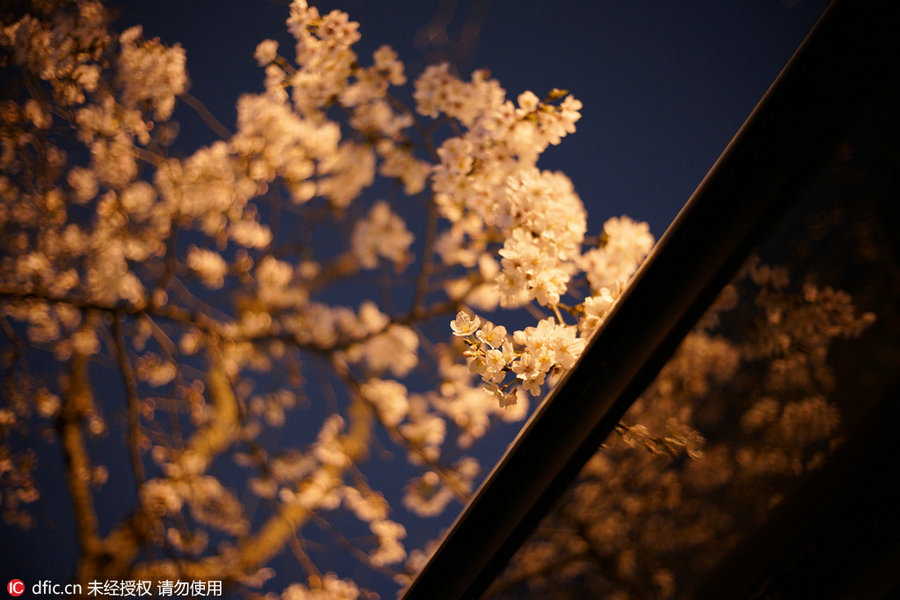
[427, 257]
[204, 113]
[134, 401]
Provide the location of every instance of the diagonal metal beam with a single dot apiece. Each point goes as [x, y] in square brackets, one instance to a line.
[791, 131]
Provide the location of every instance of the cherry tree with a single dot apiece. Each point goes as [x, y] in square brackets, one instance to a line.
[194, 284]
[193, 305]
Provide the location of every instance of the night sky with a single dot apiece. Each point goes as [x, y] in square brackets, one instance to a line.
[665, 86]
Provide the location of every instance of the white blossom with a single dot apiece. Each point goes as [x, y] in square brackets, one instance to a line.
[150, 71]
[266, 51]
[388, 397]
[208, 265]
[382, 234]
[464, 324]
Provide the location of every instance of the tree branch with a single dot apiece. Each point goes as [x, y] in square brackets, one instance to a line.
[77, 405]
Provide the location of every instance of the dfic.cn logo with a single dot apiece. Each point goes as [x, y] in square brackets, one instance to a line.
[15, 587]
